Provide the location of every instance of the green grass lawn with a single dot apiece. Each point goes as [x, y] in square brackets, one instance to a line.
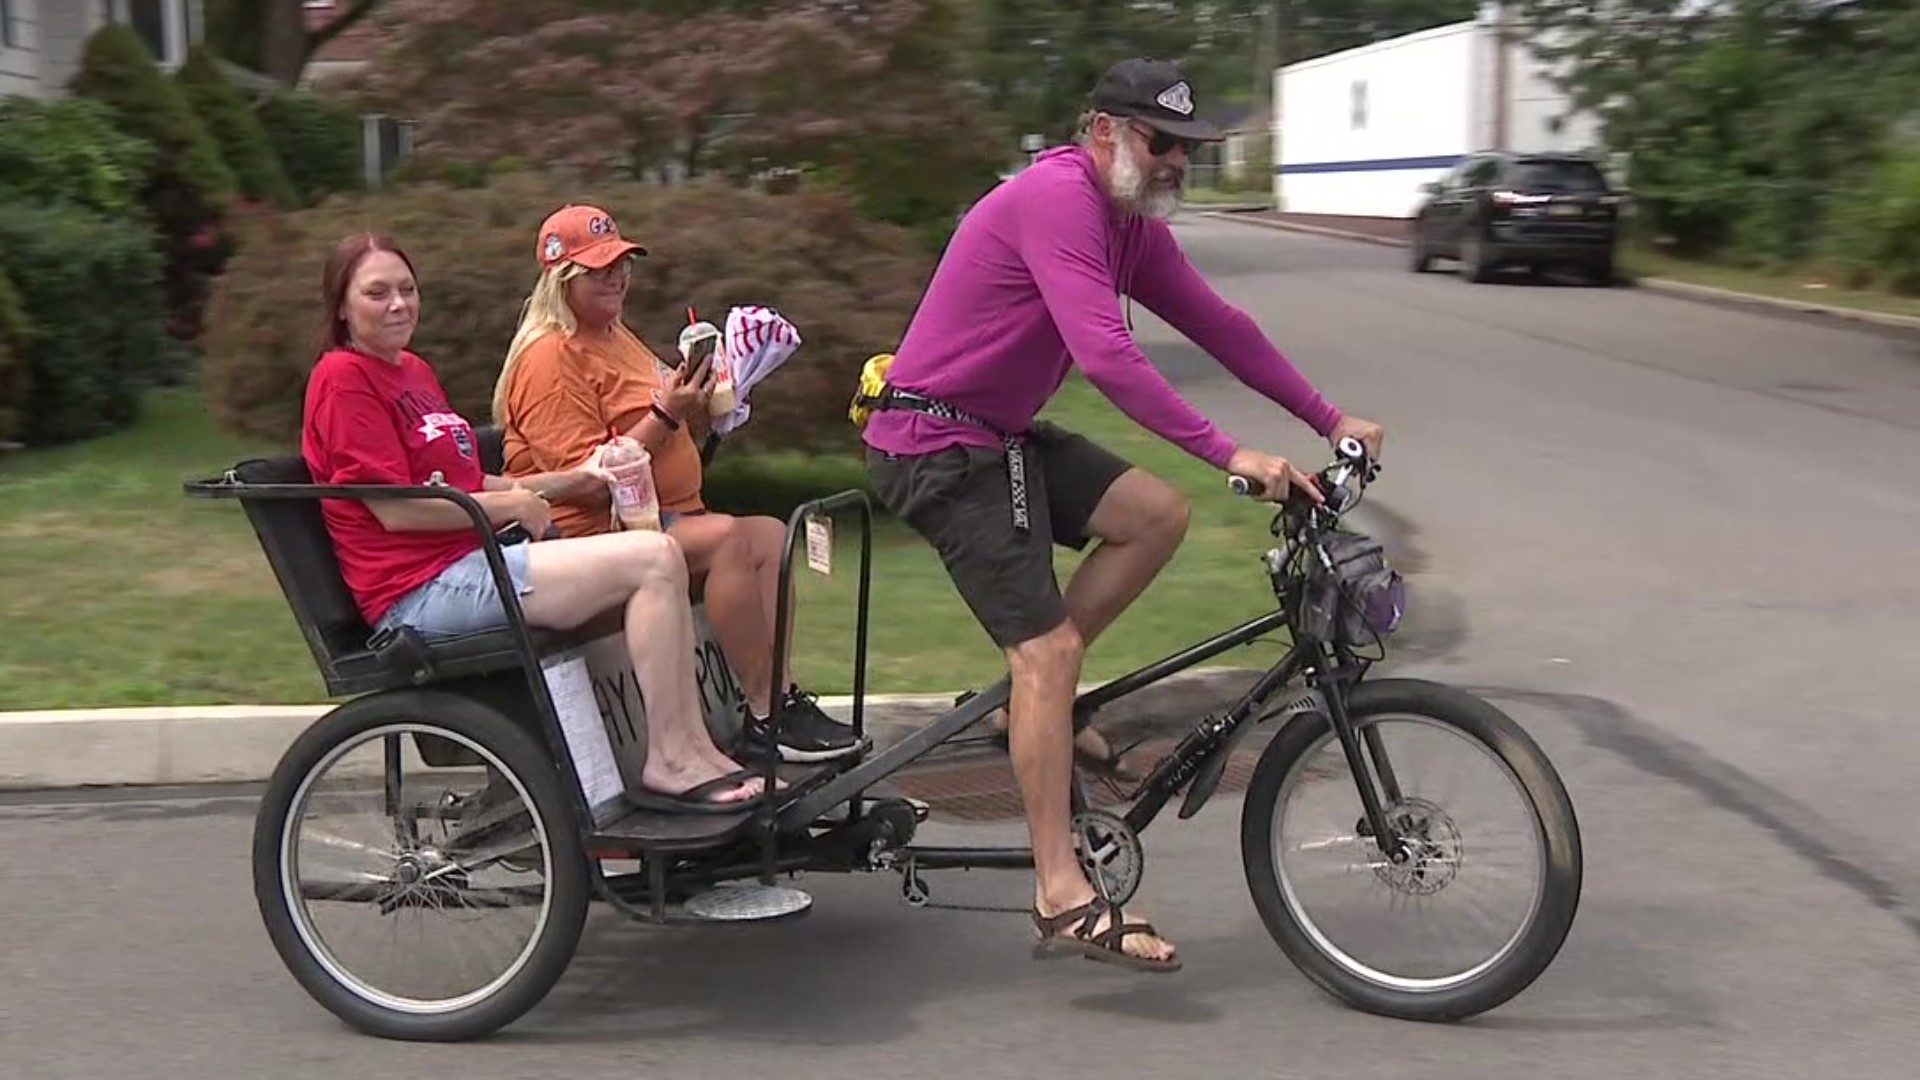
[120, 590]
[1809, 285]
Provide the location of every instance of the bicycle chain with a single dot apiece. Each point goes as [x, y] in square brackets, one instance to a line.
[913, 890]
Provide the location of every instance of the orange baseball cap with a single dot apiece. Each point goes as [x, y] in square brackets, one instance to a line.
[583, 234]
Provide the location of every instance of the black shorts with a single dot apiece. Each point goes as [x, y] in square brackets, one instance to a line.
[959, 500]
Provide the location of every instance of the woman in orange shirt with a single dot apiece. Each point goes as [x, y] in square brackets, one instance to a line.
[575, 373]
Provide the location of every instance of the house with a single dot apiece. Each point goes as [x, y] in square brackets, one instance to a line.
[346, 52]
[41, 40]
[1244, 135]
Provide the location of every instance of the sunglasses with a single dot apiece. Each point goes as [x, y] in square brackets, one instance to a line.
[1160, 143]
[616, 271]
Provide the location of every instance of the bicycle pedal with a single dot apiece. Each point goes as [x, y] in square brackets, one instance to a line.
[1204, 783]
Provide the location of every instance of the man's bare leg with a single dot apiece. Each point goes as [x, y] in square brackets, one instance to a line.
[1045, 671]
[1138, 526]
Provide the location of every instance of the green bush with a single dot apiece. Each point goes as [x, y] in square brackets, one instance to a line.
[1875, 236]
[242, 140]
[71, 150]
[317, 141]
[93, 290]
[15, 340]
[847, 284]
[190, 188]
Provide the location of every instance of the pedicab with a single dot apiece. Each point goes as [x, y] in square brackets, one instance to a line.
[500, 765]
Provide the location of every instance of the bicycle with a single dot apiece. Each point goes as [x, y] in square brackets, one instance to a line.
[506, 706]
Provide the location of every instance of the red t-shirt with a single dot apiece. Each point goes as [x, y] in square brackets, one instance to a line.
[368, 421]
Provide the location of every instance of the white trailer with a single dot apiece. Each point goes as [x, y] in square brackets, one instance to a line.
[1358, 131]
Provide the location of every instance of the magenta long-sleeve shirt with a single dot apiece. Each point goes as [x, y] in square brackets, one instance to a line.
[1030, 284]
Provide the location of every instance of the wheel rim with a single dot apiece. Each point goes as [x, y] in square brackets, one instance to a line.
[491, 836]
[1447, 848]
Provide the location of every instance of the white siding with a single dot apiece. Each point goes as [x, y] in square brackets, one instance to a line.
[1360, 130]
[20, 65]
[67, 26]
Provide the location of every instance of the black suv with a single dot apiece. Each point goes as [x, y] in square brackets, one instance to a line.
[1500, 208]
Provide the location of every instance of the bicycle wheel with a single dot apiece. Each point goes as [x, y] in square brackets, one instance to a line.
[412, 902]
[1376, 947]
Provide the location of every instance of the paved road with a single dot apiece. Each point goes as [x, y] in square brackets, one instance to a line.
[1674, 540]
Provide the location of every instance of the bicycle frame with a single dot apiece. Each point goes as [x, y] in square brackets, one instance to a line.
[1197, 760]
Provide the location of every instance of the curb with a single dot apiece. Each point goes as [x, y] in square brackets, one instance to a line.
[192, 745]
[1665, 286]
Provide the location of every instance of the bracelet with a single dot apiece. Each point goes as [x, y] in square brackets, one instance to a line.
[665, 417]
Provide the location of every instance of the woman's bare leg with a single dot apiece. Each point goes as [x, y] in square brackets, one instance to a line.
[720, 549]
[576, 579]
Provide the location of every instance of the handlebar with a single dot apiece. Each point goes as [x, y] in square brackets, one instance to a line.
[1350, 458]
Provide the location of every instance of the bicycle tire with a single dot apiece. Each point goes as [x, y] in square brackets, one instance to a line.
[1544, 793]
[552, 817]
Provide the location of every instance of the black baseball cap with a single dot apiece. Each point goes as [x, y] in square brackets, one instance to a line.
[1155, 91]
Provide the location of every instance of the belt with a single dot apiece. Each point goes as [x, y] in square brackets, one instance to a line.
[892, 397]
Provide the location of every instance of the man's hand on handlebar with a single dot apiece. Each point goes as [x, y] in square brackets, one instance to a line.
[1369, 433]
[1276, 476]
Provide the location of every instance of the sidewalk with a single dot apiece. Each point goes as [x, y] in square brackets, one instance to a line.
[71, 748]
[1392, 232]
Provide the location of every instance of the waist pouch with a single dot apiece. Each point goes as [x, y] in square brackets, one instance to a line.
[875, 394]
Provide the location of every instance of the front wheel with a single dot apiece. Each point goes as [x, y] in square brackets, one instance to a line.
[1494, 851]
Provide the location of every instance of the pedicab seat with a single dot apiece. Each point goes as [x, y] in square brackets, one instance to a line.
[351, 660]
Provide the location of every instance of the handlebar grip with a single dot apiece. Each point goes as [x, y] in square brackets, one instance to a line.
[1240, 485]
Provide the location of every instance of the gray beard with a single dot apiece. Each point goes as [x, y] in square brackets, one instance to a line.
[1129, 187]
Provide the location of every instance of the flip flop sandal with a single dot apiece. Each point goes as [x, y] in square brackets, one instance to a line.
[696, 799]
[1058, 940]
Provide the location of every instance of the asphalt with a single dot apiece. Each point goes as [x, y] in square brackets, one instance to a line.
[1672, 539]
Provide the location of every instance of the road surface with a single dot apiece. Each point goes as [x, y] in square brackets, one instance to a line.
[1676, 541]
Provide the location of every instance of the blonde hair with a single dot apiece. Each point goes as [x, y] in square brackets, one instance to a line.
[544, 312]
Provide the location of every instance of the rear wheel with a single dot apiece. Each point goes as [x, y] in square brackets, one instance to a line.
[1603, 273]
[1419, 255]
[419, 903]
[1474, 265]
[1372, 932]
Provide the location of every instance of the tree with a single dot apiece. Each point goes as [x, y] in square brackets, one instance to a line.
[1744, 120]
[271, 36]
[1039, 59]
[869, 92]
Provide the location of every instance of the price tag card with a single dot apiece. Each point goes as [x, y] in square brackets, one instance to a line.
[820, 544]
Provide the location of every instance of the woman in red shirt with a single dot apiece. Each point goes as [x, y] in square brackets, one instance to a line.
[376, 414]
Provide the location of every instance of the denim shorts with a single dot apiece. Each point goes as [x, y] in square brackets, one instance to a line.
[462, 599]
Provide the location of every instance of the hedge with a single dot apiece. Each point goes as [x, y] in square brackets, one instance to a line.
[243, 142]
[15, 340]
[92, 288]
[190, 189]
[847, 284]
[70, 150]
[317, 142]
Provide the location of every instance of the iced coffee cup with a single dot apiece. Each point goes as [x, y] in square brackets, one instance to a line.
[698, 342]
[635, 500]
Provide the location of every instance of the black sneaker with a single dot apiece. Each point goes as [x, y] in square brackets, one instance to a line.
[807, 734]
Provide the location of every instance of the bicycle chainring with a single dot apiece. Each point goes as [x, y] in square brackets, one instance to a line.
[1110, 853]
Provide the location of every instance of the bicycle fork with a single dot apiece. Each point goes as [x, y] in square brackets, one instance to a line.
[1365, 766]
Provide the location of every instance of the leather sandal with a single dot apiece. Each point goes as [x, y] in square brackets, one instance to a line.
[1057, 939]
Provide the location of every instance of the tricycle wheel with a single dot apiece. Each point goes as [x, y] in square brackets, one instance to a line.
[396, 844]
[1373, 931]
